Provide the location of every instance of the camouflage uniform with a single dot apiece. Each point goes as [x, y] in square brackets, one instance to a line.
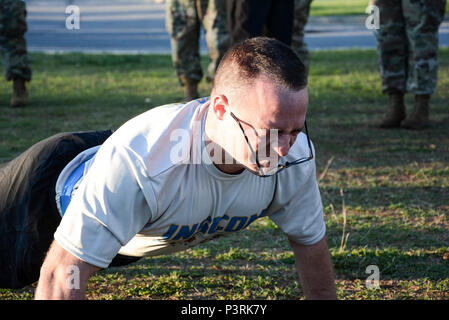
[12, 41]
[301, 15]
[184, 20]
[408, 44]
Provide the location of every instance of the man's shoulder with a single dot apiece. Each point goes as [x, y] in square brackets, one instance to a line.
[160, 118]
[152, 136]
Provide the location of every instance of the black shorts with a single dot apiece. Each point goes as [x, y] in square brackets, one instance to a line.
[28, 213]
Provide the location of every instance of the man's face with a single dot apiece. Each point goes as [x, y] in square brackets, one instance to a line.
[271, 118]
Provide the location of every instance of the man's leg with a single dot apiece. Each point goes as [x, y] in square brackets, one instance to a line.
[184, 28]
[212, 13]
[422, 20]
[234, 19]
[301, 15]
[14, 49]
[247, 18]
[393, 55]
[28, 213]
[279, 24]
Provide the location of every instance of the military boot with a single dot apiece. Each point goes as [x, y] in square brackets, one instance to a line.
[19, 97]
[419, 118]
[396, 111]
[190, 88]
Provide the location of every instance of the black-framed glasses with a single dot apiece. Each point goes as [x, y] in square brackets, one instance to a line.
[280, 166]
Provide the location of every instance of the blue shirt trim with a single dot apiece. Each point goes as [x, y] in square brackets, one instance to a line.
[74, 177]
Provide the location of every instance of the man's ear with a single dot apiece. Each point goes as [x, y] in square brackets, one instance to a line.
[220, 106]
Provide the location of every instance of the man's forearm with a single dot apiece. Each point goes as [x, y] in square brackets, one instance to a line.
[56, 285]
[63, 276]
[315, 270]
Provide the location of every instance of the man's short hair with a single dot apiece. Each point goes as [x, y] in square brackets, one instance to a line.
[253, 57]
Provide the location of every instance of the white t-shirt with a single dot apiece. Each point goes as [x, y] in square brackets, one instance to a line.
[150, 189]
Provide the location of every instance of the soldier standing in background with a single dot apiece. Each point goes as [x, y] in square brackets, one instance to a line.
[407, 48]
[300, 17]
[14, 50]
[184, 20]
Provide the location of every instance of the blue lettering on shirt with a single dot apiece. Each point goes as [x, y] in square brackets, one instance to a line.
[209, 226]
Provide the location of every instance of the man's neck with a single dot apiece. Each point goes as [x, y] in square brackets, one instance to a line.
[219, 161]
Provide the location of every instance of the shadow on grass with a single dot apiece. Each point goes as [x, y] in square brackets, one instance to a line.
[383, 197]
[349, 264]
[389, 236]
[364, 145]
[392, 263]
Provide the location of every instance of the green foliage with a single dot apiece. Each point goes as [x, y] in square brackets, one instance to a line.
[338, 7]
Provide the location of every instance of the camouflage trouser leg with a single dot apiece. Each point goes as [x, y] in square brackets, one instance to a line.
[301, 15]
[12, 41]
[213, 17]
[184, 20]
[183, 25]
[422, 19]
[392, 46]
[408, 44]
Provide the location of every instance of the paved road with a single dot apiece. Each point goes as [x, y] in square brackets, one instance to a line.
[138, 26]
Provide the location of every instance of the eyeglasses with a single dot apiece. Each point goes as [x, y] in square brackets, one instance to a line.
[280, 166]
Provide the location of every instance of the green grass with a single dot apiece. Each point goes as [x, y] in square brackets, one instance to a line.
[338, 7]
[391, 187]
[341, 7]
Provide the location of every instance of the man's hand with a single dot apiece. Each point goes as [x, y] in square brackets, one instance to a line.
[315, 270]
[58, 272]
